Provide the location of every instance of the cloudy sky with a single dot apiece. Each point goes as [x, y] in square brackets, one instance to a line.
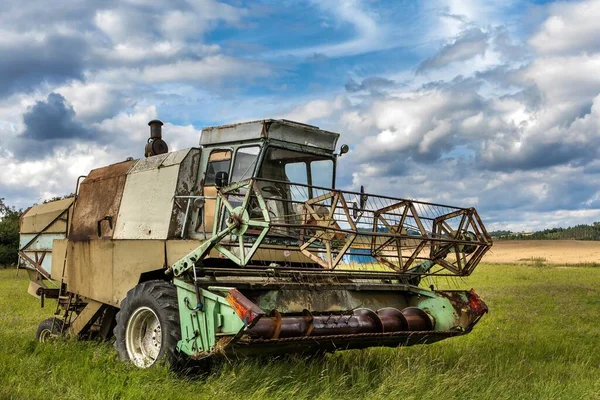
[492, 103]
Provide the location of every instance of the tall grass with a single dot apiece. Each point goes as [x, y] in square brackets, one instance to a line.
[540, 341]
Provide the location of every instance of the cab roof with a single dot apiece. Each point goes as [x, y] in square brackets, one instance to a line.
[276, 129]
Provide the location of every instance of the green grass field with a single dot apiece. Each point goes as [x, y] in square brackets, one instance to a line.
[540, 341]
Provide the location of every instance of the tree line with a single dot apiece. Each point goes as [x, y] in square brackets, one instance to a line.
[9, 234]
[577, 232]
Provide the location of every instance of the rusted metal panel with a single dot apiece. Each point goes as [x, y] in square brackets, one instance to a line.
[313, 344]
[282, 130]
[98, 202]
[330, 300]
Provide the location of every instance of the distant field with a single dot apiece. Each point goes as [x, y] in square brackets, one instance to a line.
[547, 251]
[540, 341]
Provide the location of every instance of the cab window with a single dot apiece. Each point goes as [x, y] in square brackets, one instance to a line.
[321, 173]
[293, 166]
[244, 163]
[219, 161]
[296, 172]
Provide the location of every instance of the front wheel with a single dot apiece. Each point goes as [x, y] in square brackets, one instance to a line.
[147, 329]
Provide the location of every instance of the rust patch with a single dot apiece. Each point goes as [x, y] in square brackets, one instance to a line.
[99, 197]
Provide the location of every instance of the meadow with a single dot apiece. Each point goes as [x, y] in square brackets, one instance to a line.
[539, 341]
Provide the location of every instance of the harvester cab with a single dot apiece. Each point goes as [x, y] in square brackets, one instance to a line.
[245, 246]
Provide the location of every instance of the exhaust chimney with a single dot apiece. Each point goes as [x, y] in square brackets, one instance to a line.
[155, 145]
[155, 129]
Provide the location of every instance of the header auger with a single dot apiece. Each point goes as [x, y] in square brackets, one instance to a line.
[245, 246]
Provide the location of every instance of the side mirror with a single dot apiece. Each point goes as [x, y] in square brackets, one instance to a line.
[344, 149]
[221, 179]
[363, 198]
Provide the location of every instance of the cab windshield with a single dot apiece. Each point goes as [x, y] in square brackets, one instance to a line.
[292, 166]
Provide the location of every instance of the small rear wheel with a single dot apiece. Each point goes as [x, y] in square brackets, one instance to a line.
[49, 329]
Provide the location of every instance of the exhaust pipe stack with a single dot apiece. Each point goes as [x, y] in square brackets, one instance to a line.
[155, 145]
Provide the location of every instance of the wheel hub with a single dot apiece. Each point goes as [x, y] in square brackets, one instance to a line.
[143, 337]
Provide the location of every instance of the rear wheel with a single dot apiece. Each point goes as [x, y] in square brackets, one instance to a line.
[49, 329]
[147, 330]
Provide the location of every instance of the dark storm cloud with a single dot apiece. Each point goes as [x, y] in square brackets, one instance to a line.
[43, 42]
[465, 46]
[49, 124]
[40, 14]
[535, 154]
[53, 60]
[53, 119]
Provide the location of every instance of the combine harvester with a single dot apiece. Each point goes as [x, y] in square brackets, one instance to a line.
[245, 247]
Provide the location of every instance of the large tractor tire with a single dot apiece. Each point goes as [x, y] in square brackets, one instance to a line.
[148, 329]
[48, 329]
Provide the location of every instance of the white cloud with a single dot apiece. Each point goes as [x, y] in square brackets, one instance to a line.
[316, 109]
[129, 131]
[208, 69]
[568, 78]
[94, 99]
[571, 28]
[505, 122]
[162, 31]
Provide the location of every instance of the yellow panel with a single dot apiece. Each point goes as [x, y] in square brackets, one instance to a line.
[105, 270]
[84, 317]
[176, 249]
[38, 217]
[220, 155]
[282, 255]
[89, 270]
[131, 259]
[59, 252]
[209, 209]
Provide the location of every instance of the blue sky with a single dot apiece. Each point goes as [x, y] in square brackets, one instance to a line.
[493, 104]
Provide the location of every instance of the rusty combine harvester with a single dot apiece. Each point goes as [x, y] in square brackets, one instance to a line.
[244, 246]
